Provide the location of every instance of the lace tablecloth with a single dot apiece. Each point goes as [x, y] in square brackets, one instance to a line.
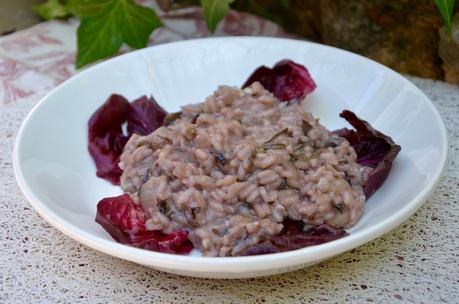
[416, 263]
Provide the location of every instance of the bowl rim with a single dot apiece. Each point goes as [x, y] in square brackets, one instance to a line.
[227, 264]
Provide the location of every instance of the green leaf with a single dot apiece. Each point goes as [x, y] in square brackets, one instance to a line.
[214, 11]
[103, 30]
[86, 8]
[139, 23]
[51, 9]
[97, 38]
[446, 9]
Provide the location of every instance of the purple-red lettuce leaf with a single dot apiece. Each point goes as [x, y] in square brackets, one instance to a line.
[125, 221]
[294, 236]
[287, 80]
[106, 139]
[105, 136]
[146, 115]
[374, 149]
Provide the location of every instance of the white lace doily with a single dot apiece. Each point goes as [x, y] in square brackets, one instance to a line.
[416, 263]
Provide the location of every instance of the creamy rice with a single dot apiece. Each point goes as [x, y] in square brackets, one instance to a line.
[231, 169]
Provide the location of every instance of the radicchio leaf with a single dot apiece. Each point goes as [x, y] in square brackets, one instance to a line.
[146, 115]
[374, 149]
[293, 236]
[125, 221]
[287, 80]
[105, 136]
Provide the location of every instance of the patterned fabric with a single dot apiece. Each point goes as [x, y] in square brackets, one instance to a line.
[35, 60]
[415, 263]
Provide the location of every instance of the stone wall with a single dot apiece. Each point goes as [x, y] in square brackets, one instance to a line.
[406, 35]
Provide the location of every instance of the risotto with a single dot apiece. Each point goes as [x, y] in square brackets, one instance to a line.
[230, 170]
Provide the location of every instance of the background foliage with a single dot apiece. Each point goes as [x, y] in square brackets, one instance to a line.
[108, 24]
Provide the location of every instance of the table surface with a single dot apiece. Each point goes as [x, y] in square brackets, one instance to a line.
[415, 263]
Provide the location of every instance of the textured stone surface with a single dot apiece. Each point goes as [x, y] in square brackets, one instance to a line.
[415, 263]
[402, 34]
[449, 51]
[16, 15]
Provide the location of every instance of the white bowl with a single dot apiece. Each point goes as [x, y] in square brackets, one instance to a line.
[57, 175]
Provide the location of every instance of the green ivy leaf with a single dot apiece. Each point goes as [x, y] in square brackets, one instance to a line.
[214, 11]
[51, 9]
[446, 9]
[107, 24]
[86, 8]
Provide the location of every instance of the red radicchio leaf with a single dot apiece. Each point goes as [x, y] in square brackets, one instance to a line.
[374, 149]
[287, 80]
[125, 220]
[146, 115]
[294, 237]
[105, 136]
